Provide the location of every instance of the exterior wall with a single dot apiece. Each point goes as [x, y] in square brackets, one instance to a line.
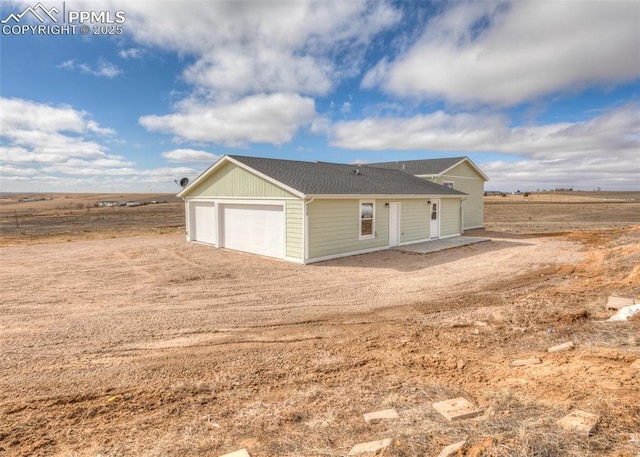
[466, 180]
[294, 229]
[414, 220]
[334, 225]
[233, 183]
[449, 217]
[231, 180]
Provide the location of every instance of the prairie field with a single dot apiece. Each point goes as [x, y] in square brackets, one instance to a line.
[118, 338]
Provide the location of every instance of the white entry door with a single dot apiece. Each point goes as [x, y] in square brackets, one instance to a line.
[254, 228]
[434, 228]
[394, 224]
[202, 222]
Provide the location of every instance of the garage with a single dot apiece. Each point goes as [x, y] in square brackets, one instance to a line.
[258, 229]
[202, 217]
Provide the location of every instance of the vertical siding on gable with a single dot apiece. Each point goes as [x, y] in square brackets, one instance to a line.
[231, 180]
[294, 227]
[449, 216]
[466, 180]
[465, 170]
[334, 227]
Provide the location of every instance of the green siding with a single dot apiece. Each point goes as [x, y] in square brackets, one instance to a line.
[449, 216]
[464, 170]
[414, 220]
[231, 180]
[334, 227]
[466, 180]
[294, 227]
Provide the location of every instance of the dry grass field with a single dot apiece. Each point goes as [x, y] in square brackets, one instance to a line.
[117, 338]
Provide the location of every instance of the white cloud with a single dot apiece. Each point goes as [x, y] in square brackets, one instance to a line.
[576, 172]
[253, 47]
[257, 119]
[505, 54]
[19, 114]
[346, 108]
[46, 131]
[601, 149]
[616, 131]
[436, 131]
[103, 68]
[51, 143]
[131, 53]
[189, 155]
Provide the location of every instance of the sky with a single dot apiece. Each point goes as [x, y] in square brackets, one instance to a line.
[129, 96]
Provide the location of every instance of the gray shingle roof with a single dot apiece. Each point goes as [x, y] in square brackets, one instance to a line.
[322, 178]
[428, 167]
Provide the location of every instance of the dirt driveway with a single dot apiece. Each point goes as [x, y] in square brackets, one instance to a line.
[133, 293]
[151, 346]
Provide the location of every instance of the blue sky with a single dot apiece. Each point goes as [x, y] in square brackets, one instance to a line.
[538, 94]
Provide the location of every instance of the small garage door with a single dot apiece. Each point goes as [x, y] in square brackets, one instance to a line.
[202, 223]
[254, 228]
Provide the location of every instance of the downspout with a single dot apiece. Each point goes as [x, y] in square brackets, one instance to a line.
[305, 221]
[462, 215]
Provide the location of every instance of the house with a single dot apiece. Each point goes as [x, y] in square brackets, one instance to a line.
[458, 173]
[312, 211]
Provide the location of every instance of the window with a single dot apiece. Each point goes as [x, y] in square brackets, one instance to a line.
[448, 184]
[367, 223]
[434, 211]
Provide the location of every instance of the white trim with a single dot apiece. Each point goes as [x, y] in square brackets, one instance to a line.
[424, 240]
[189, 207]
[438, 224]
[346, 254]
[473, 165]
[224, 159]
[373, 219]
[461, 177]
[220, 205]
[268, 178]
[289, 259]
[398, 225]
[305, 229]
[382, 196]
[465, 159]
[244, 201]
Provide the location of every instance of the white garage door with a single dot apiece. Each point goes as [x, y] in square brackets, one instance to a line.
[202, 223]
[254, 228]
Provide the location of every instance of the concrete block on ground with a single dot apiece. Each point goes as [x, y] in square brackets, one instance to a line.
[619, 302]
[240, 453]
[378, 416]
[451, 449]
[524, 362]
[636, 364]
[562, 347]
[579, 421]
[625, 313]
[370, 447]
[456, 409]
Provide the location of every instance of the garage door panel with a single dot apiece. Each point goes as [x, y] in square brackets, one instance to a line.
[203, 222]
[258, 229]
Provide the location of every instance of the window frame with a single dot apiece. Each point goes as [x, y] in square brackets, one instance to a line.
[449, 184]
[373, 219]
